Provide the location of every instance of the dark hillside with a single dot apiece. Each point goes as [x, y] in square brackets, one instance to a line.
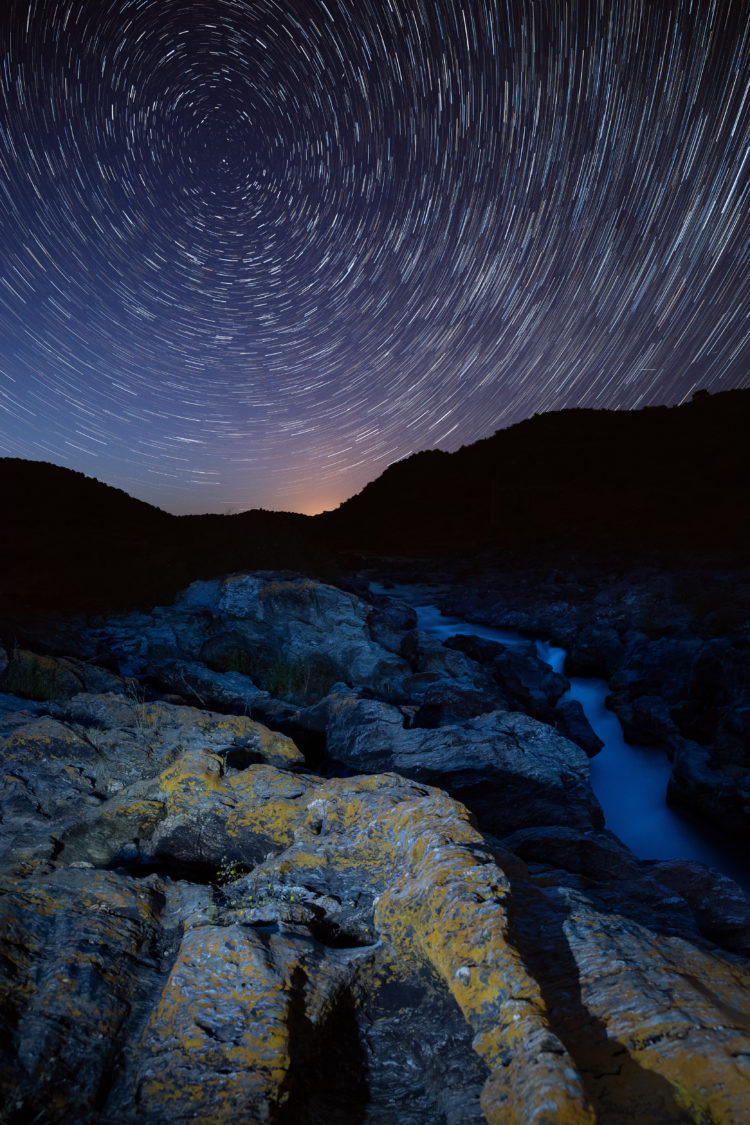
[68, 539]
[661, 478]
[253, 540]
[72, 543]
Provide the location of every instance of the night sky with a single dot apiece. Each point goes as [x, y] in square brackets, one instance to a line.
[253, 251]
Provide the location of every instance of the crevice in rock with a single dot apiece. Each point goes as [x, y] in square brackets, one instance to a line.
[311, 743]
[240, 757]
[186, 871]
[329, 933]
[327, 1079]
[422, 1068]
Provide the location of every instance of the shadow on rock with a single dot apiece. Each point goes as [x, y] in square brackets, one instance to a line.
[327, 1083]
[632, 1031]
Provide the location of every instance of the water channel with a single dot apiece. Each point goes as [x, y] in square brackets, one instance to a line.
[630, 782]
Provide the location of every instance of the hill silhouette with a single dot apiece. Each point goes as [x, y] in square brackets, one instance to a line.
[73, 543]
[661, 478]
[666, 479]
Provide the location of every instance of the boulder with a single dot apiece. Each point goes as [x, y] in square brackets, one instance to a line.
[509, 769]
[677, 896]
[710, 792]
[480, 649]
[30, 676]
[525, 681]
[388, 621]
[295, 636]
[646, 719]
[720, 907]
[201, 687]
[528, 682]
[570, 720]
[429, 656]
[227, 651]
[64, 766]
[446, 701]
[654, 1019]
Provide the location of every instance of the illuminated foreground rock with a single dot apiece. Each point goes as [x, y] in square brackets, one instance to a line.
[183, 940]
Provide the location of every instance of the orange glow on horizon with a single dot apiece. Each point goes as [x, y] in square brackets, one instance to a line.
[316, 505]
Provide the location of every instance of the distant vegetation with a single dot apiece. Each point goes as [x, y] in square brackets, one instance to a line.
[72, 543]
[664, 479]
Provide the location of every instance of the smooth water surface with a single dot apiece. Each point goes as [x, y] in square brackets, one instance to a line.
[630, 782]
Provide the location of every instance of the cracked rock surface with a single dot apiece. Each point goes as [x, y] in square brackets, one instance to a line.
[198, 922]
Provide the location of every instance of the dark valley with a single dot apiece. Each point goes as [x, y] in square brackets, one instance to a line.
[274, 850]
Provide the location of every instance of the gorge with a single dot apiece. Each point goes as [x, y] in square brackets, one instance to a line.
[274, 848]
[630, 782]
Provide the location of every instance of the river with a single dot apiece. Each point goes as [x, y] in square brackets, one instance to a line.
[630, 782]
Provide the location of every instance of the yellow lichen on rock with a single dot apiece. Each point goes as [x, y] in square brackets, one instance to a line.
[230, 1058]
[276, 749]
[449, 905]
[268, 803]
[672, 1007]
[276, 880]
[444, 902]
[193, 773]
[42, 737]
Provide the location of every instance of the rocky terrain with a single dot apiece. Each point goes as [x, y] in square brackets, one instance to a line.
[272, 854]
[674, 645]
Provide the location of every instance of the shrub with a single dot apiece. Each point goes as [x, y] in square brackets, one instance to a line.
[31, 676]
[298, 679]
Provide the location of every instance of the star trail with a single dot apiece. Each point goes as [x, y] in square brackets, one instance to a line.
[253, 251]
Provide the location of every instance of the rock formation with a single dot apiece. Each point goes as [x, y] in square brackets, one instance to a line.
[273, 855]
[675, 648]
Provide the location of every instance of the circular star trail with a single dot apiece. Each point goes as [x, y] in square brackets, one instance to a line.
[253, 251]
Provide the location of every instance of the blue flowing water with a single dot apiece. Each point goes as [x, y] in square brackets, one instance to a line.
[630, 782]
